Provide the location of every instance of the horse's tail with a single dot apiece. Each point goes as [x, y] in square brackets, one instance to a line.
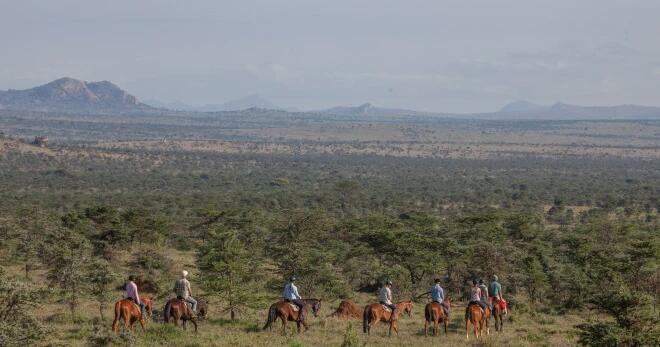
[365, 318]
[428, 313]
[166, 312]
[117, 311]
[272, 316]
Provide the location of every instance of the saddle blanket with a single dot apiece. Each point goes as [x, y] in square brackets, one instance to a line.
[386, 308]
[294, 306]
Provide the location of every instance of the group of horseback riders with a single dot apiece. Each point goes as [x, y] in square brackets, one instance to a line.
[479, 294]
[182, 289]
[485, 298]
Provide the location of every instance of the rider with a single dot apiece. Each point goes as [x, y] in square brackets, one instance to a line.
[290, 294]
[496, 293]
[183, 291]
[385, 297]
[484, 294]
[475, 296]
[132, 293]
[438, 295]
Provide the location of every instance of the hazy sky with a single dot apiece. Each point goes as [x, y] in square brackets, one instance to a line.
[463, 55]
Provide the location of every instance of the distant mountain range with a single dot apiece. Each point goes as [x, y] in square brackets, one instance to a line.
[562, 111]
[516, 110]
[72, 95]
[250, 101]
[368, 109]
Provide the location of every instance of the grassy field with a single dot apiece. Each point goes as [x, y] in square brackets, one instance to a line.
[520, 329]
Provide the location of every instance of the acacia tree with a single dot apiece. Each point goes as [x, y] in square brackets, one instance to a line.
[101, 276]
[17, 326]
[230, 270]
[67, 255]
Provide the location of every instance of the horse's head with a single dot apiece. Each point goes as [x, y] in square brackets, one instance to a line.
[316, 307]
[406, 306]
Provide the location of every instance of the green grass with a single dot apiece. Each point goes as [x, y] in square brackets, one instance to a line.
[524, 330]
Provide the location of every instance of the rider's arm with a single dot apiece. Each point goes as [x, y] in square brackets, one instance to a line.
[189, 289]
[295, 292]
[137, 295]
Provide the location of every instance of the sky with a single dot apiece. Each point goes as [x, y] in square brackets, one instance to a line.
[445, 56]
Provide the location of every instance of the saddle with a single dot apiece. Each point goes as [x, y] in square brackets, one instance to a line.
[189, 305]
[386, 308]
[294, 307]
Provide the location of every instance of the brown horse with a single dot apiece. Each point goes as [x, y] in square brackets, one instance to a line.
[498, 314]
[178, 309]
[434, 313]
[148, 305]
[347, 310]
[479, 319]
[127, 310]
[286, 312]
[375, 313]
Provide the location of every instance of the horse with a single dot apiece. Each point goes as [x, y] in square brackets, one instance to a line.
[148, 305]
[375, 313]
[202, 308]
[347, 310]
[498, 314]
[474, 315]
[434, 313]
[127, 310]
[286, 312]
[178, 309]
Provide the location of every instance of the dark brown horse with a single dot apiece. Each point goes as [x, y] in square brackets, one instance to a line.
[434, 313]
[202, 309]
[286, 312]
[375, 313]
[498, 314]
[478, 318]
[347, 310]
[178, 309]
[127, 310]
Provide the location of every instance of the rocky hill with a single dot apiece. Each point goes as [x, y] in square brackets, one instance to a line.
[72, 95]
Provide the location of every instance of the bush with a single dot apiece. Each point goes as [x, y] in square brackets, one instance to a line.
[350, 337]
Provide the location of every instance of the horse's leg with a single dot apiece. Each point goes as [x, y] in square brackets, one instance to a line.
[488, 325]
[426, 327]
[185, 321]
[128, 325]
[284, 319]
[115, 324]
[467, 329]
[436, 322]
[141, 320]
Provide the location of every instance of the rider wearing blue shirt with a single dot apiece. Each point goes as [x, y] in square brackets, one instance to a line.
[290, 294]
[438, 295]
